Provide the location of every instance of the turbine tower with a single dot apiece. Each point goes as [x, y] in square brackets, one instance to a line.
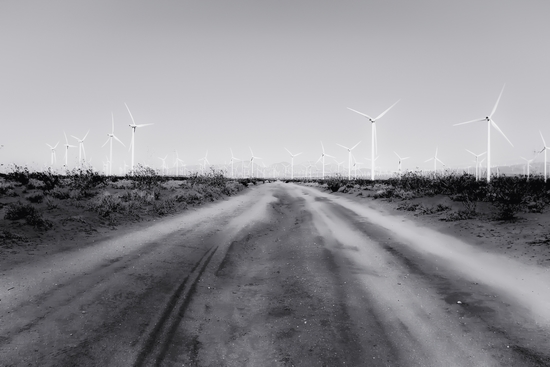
[478, 173]
[544, 150]
[322, 157]
[399, 165]
[292, 162]
[252, 162]
[233, 159]
[163, 164]
[134, 127]
[81, 147]
[67, 146]
[53, 155]
[490, 122]
[374, 140]
[349, 157]
[528, 165]
[435, 159]
[110, 138]
[204, 161]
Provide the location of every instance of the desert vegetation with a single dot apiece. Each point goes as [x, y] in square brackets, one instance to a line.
[33, 203]
[508, 196]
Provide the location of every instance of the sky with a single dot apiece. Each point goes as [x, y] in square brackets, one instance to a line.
[213, 75]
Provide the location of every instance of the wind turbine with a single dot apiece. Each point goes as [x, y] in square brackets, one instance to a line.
[374, 140]
[81, 147]
[435, 159]
[528, 165]
[490, 122]
[67, 146]
[544, 150]
[349, 157]
[233, 159]
[110, 138]
[204, 161]
[292, 162]
[339, 164]
[400, 160]
[478, 173]
[252, 162]
[53, 155]
[134, 127]
[177, 163]
[163, 164]
[322, 157]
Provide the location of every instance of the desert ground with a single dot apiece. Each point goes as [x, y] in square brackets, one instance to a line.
[275, 274]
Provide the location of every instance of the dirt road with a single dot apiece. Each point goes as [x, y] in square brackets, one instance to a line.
[283, 275]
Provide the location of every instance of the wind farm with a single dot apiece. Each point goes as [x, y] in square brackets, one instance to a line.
[282, 184]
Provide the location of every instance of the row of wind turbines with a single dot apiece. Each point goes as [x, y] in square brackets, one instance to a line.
[111, 136]
[351, 160]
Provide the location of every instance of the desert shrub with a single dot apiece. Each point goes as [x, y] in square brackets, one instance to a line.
[231, 188]
[6, 188]
[35, 184]
[106, 204]
[19, 210]
[60, 193]
[122, 184]
[19, 174]
[403, 194]
[35, 198]
[408, 206]
[50, 203]
[383, 191]
[433, 209]
[508, 196]
[85, 180]
[28, 212]
[459, 215]
[145, 177]
[535, 205]
[163, 207]
[334, 183]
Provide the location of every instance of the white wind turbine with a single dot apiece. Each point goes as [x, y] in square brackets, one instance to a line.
[81, 147]
[204, 162]
[374, 139]
[339, 164]
[52, 152]
[322, 157]
[252, 162]
[163, 164]
[177, 163]
[490, 122]
[528, 165]
[67, 146]
[399, 164]
[478, 173]
[110, 138]
[292, 162]
[435, 159]
[349, 157]
[134, 127]
[233, 159]
[544, 150]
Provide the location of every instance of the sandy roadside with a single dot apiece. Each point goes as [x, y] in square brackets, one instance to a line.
[526, 239]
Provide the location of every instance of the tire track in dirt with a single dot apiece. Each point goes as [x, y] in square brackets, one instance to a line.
[159, 338]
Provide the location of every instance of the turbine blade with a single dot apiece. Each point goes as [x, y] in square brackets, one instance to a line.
[297, 154]
[323, 147]
[361, 113]
[328, 155]
[355, 145]
[289, 152]
[66, 140]
[543, 142]
[498, 100]
[500, 131]
[383, 113]
[119, 141]
[49, 146]
[84, 138]
[467, 122]
[132, 117]
[142, 125]
[318, 159]
[105, 142]
[431, 159]
[343, 146]
[471, 152]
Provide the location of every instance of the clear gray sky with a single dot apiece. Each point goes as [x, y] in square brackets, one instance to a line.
[272, 74]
